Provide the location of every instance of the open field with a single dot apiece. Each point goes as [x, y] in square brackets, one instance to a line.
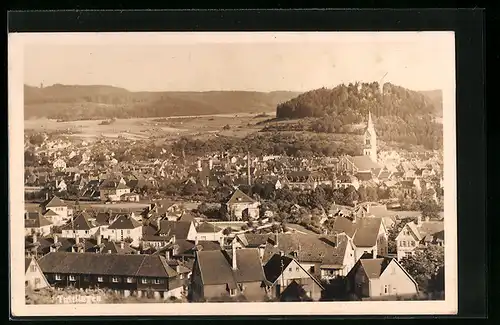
[237, 125]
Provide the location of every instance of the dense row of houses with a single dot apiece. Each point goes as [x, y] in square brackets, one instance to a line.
[209, 264]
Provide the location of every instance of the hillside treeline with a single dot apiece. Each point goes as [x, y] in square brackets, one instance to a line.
[399, 114]
[74, 102]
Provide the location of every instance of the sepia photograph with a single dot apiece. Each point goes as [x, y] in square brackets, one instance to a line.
[284, 173]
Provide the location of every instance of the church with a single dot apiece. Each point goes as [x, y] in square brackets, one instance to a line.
[366, 166]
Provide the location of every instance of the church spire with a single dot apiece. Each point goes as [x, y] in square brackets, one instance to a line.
[370, 145]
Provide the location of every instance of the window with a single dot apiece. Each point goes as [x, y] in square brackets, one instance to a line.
[37, 281]
[100, 279]
[115, 279]
[58, 277]
[128, 232]
[297, 269]
[86, 278]
[86, 232]
[33, 268]
[156, 281]
[144, 281]
[181, 276]
[412, 243]
[403, 243]
[26, 283]
[386, 289]
[311, 269]
[232, 292]
[72, 278]
[130, 280]
[290, 269]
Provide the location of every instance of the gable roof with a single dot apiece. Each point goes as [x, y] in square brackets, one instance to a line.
[367, 230]
[240, 197]
[275, 267]
[124, 221]
[180, 229]
[374, 267]
[27, 262]
[216, 267]
[363, 163]
[207, 227]
[53, 202]
[294, 292]
[81, 222]
[106, 264]
[36, 220]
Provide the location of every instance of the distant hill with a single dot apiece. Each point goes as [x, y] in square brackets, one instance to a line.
[400, 114]
[69, 102]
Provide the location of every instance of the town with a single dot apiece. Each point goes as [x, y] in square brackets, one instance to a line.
[159, 225]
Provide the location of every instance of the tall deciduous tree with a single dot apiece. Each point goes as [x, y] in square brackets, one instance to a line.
[424, 265]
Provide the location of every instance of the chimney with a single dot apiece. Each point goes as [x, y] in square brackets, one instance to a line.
[109, 251]
[77, 238]
[235, 266]
[374, 254]
[55, 239]
[427, 219]
[210, 164]
[46, 195]
[419, 219]
[122, 245]
[99, 239]
[276, 239]
[178, 268]
[35, 238]
[196, 240]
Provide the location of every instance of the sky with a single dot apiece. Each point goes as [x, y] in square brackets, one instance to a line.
[240, 61]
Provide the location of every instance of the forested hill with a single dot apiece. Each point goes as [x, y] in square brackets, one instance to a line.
[400, 114]
[352, 102]
[70, 102]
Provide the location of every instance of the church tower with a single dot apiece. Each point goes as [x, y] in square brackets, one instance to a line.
[370, 140]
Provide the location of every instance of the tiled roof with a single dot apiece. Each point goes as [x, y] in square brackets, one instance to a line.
[125, 222]
[308, 248]
[275, 266]
[216, 267]
[367, 231]
[178, 228]
[240, 197]
[374, 267]
[35, 220]
[53, 202]
[106, 264]
[207, 227]
[363, 163]
[27, 262]
[80, 222]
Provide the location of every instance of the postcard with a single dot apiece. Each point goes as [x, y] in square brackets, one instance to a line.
[232, 173]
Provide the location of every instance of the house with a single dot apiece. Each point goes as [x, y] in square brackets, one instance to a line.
[125, 226]
[380, 278]
[369, 234]
[282, 271]
[179, 229]
[59, 207]
[185, 250]
[210, 232]
[80, 226]
[130, 197]
[306, 179]
[219, 274]
[324, 257]
[34, 222]
[111, 190]
[240, 205]
[347, 180]
[33, 275]
[419, 234]
[59, 164]
[142, 275]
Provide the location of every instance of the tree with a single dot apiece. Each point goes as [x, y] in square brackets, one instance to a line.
[362, 193]
[430, 209]
[227, 231]
[371, 194]
[190, 188]
[36, 139]
[424, 265]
